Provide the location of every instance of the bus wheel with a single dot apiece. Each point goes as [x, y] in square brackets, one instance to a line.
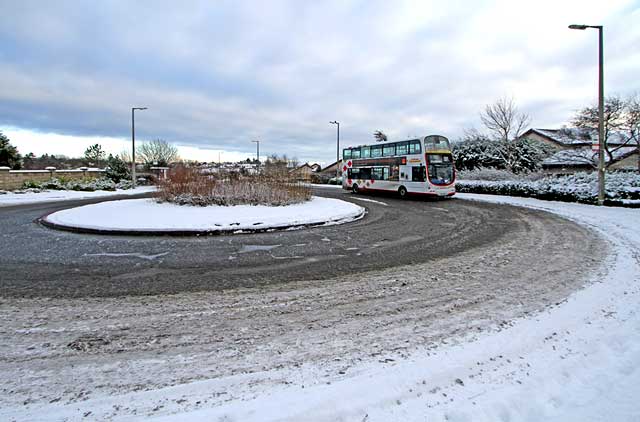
[354, 188]
[402, 192]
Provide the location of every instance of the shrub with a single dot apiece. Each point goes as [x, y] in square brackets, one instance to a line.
[187, 186]
[88, 185]
[620, 187]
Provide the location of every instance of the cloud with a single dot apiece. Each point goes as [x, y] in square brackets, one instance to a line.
[219, 75]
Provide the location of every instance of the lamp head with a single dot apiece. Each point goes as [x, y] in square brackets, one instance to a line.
[580, 27]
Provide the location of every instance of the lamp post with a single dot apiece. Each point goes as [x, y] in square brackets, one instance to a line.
[601, 145]
[335, 122]
[133, 143]
[257, 151]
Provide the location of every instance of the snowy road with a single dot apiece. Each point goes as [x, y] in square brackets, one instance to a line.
[37, 261]
[460, 337]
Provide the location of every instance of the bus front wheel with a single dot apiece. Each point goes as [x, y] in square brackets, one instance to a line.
[354, 188]
[402, 192]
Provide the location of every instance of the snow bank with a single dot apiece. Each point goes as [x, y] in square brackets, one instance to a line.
[11, 198]
[148, 215]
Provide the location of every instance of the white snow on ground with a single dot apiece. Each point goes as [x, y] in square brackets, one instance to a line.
[11, 198]
[577, 361]
[147, 214]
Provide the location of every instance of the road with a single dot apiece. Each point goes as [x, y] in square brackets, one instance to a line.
[37, 261]
[80, 326]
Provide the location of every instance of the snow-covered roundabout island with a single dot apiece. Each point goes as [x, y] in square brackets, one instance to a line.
[146, 216]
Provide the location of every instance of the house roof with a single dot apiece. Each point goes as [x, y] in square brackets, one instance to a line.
[584, 157]
[331, 165]
[575, 137]
[312, 167]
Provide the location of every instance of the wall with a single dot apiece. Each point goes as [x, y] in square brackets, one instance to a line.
[14, 179]
[628, 163]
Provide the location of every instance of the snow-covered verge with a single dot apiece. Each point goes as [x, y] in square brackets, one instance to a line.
[149, 215]
[579, 360]
[621, 188]
[33, 197]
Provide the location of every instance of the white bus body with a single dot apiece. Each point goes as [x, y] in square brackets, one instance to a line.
[421, 166]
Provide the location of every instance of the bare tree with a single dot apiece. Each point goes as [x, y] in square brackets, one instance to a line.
[632, 122]
[157, 153]
[614, 121]
[125, 155]
[504, 120]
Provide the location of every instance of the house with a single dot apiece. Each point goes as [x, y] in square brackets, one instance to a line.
[574, 150]
[330, 170]
[305, 171]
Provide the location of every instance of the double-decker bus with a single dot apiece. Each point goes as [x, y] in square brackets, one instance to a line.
[414, 167]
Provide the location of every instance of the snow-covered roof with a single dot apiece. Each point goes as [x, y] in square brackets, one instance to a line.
[578, 136]
[584, 156]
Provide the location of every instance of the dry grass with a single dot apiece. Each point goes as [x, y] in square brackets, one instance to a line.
[188, 186]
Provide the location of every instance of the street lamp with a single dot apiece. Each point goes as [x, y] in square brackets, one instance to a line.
[600, 109]
[335, 122]
[133, 143]
[257, 151]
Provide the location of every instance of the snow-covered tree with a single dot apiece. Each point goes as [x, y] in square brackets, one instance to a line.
[117, 169]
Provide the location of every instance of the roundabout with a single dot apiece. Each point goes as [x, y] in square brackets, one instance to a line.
[39, 261]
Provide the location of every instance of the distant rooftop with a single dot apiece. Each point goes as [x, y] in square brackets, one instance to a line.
[583, 156]
[577, 136]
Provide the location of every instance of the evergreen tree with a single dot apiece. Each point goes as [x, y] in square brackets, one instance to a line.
[94, 155]
[117, 169]
[9, 156]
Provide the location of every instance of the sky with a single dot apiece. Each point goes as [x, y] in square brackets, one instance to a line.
[216, 75]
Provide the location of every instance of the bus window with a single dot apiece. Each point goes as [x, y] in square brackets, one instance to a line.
[354, 173]
[365, 173]
[346, 154]
[414, 147]
[385, 173]
[355, 153]
[418, 174]
[435, 158]
[376, 151]
[376, 173]
[402, 148]
[395, 173]
[434, 142]
[388, 150]
[365, 152]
